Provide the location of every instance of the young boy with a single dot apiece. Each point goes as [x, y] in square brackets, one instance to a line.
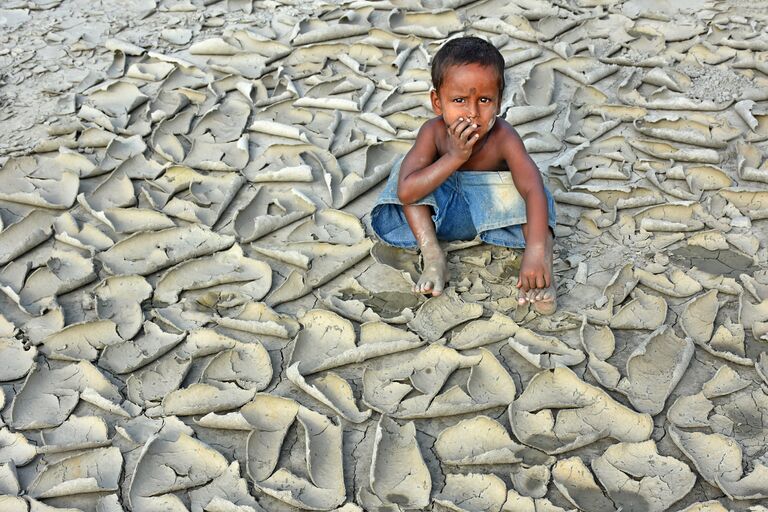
[468, 174]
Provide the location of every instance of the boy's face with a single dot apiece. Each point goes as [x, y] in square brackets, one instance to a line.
[469, 91]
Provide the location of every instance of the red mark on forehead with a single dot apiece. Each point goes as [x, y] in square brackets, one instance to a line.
[473, 90]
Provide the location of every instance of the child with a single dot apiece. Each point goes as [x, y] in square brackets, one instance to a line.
[468, 174]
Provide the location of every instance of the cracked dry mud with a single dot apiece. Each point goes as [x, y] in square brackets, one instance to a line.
[195, 316]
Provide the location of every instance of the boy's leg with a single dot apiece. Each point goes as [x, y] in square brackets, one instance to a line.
[434, 271]
[544, 300]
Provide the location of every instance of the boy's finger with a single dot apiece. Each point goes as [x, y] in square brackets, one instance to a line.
[467, 132]
[540, 283]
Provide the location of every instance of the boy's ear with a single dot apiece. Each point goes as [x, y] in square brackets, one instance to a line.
[435, 102]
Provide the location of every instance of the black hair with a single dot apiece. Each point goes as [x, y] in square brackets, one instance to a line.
[467, 50]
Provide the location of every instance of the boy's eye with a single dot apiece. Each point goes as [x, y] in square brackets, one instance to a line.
[458, 100]
[485, 100]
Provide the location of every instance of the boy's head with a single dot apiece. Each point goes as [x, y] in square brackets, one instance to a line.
[467, 50]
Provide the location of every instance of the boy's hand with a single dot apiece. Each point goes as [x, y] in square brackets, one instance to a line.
[534, 269]
[462, 137]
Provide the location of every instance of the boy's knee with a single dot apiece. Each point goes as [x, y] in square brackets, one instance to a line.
[403, 195]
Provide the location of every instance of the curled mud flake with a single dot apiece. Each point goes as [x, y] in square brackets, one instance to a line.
[544, 351]
[369, 166]
[79, 234]
[622, 282]
[472, 493]
[597, 341]
[15, 361]
[751, 202]
[709, 240]
[585, 70]
[20, 237]
[634, 474]
[327, 261]
[484, 332]
[531, 481]
[399, 475]
[718, 459]
[437, 25]
[439, 314]
[426, 375]
[207, 155]
[761, 365]
[172, 462]
[324, 490]
[310, 31]
[258, 318]
[150, 385]
[329, 226]
[752, 164]
[205, 398]
[582, 199]
[119, 299]
[678, 216]
[674, 283]
[92, 471]
[539, 86]
[577, 422]
[279, 130]
[270, 210]
[461, 444]
[689, 131]
[203, 201]
[705, 506]
[15, 448]
[606, 374]
[246, 364]
[63, 272]
[270, 418]
[221, 268]
[145, 253]
[655, 368]
[577, 483]
[691, 411]
[9, 481]
[30, 180]
[669, 78]
[81, 341]
[645, 311]
[517, 115]
[328, 341]
[664, 99]
[332, 391]
[77, 433]
[226, 421]
[750, 314]
[698, 318]
[227, 491]
[374, 332]
[393, 303]
[724, 382]
[130, 355]
[720, 283]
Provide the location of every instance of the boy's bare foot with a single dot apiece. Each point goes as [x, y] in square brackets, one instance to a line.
[543, 300]
[433, 274]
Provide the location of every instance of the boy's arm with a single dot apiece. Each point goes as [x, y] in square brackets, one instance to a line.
[422, 170]
[527, 178]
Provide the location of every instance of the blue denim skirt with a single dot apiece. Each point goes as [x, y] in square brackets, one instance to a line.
[466, 205]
